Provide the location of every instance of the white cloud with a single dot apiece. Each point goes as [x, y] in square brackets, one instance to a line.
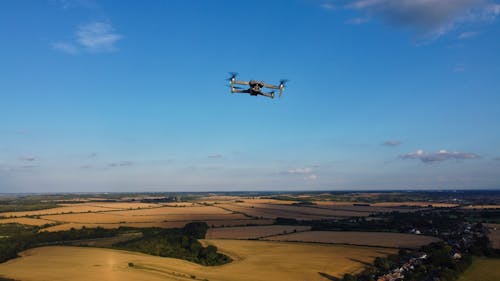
[440, 156]
[94, 37]
[97, 37]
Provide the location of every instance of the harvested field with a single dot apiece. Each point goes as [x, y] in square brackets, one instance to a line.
[268, 201]
[69, 208]
[494, 235]
[381, 239]
[482, 269]
[252, 232]
[368, 209]
[415, 204]
[297, 212]
[482, 207]
[168, 224]
[27, 221]
[253, 261]
[152, 215]
[118, 205]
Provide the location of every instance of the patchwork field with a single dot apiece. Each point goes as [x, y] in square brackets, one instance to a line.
[27, 221]
[167, 224]
[494, 235]
[253, 261]
[273, 211]
[482, 269]
[252, 232]
[415, 204]
[80, 208]
[381, 239]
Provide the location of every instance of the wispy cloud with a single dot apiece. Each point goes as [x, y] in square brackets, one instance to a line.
[65, 47]
[358, 21]
[466, 35]
[215, 156]
[121, 164]
[307, 173]
[300, 171]
[328, 5]
[459, 67]
[392, 143]
[28, 158]
[311, 177]
[428, 18]
[97, 37]
[440, 156]
[94, 37]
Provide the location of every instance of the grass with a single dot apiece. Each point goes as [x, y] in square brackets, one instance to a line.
[482, 269]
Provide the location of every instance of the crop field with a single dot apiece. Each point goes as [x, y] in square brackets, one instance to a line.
[297, 212]
[494, 235]
[27, 221]
[415, 204]
[79, 208]
[482, 207]
[253, 261]
[482, 269]
[368, 209]
[252, 232]
[381, 239]
[164, 224]
[131, 217]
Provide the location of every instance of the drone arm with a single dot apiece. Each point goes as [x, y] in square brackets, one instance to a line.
[239, 82]
[269, 86]
[269, 95]
[233, 90]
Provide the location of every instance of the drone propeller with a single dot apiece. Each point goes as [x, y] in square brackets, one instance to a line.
[233, 76]
[282, 85]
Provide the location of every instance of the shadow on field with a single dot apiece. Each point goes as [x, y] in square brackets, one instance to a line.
[328, 276]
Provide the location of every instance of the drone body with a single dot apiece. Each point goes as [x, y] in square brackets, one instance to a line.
[255, 88]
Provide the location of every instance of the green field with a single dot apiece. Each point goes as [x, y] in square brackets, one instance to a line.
[482, 269]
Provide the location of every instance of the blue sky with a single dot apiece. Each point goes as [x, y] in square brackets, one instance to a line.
[131, 96]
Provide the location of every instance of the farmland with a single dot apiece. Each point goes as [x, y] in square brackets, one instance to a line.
[252, 232]
[253, 260]
[494, 235]
[282, 237]
[482, 269]
[381, 239]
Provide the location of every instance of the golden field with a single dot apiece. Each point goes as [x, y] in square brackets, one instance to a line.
[252, 232]
[381, 239]
[482, 269]
[253, 261]
[27, 221]
[80, 208]
[167, 224]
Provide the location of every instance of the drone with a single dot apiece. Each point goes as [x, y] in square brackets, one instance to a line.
[255, 87]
